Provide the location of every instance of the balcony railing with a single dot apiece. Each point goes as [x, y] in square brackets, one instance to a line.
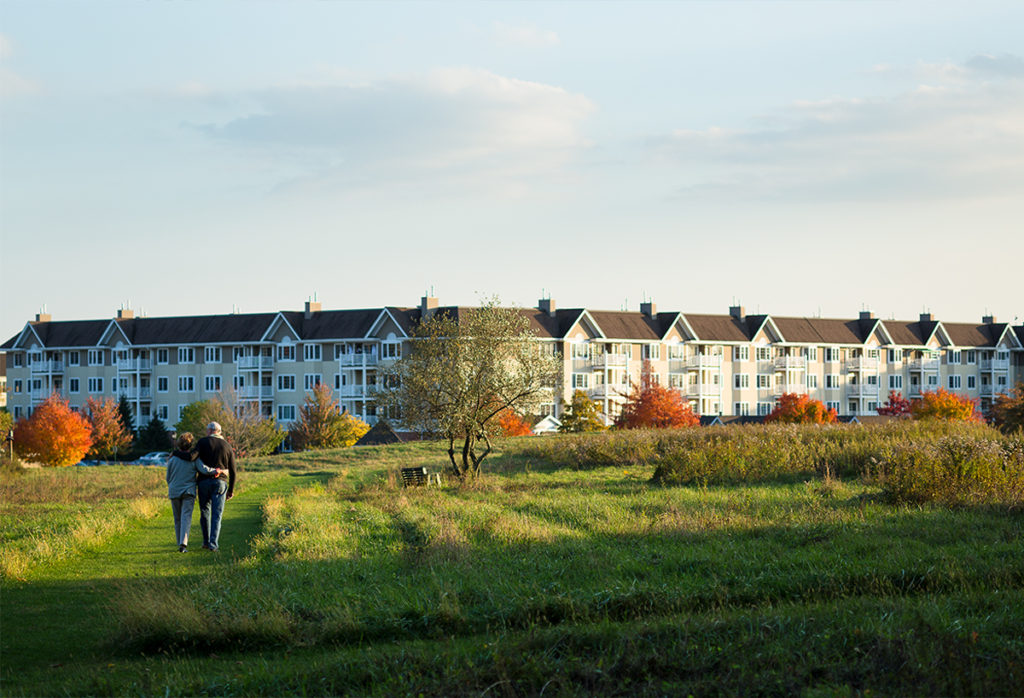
[50, 366]
[39, 393]
[790, 362]
[990, 389]
[256, 392]
[923, 365]
[134, 365]
[137, 393]
[994, 364]
[604, 360]
[861, 364]
[704, 361]
[699, 389]
[798, 388]
[253, 363]
[350, 391]
[357, 360]
[862, 390]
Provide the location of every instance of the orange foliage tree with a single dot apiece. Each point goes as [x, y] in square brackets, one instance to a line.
[942, 404]
[794, 408]
[512, 424]
[652, 406]
[896, 406]
[1008, 410]
[109, 434]
[54, 435]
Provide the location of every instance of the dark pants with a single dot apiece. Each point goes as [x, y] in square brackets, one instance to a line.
[211, 507]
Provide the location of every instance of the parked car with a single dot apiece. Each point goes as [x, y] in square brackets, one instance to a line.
[155, 458]
[88, 463]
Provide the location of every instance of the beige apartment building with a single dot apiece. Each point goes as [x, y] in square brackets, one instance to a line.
[730, 364]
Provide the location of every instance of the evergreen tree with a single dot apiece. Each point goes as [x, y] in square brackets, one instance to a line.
[155, 437]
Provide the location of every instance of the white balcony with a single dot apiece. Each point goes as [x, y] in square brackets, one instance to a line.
[256, 392]
[357, 360]
[704, 361]
[50, 366]
[991, 390]
[351, 391]
[702, 389]
[608, 360]
[923, 365]
[137, 393]
[39, 393]
[861, 364]
[783, 363]
[134, 365]
[862, 390]
[255, 363]
[782, 388]
[994, 364]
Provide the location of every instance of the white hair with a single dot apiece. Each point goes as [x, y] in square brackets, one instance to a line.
[213, 428]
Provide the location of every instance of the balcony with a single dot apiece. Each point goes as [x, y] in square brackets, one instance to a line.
[994, 364]
[702, 390]
[351, 391]
[991, 390]
[256, 392]
[782, 388]
[51, 366]
[704, 361]
[862, 390]
[923, 365]
[861, 364]
[255, 363]
[134, 365]
[609, 360]
[357, 360]
[783, 363]
[39, 393]
[145, 393]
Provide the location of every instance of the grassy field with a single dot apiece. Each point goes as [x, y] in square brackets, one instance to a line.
[552, 575]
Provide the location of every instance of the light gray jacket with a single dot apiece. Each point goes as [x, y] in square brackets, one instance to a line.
[181, 476]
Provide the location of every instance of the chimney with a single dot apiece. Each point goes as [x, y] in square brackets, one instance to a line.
[648, 308]
[428, 304]
[926, 317]
[312, 307]
[546, 305]
[43, 317]
[867, 315]
[737, 311]
[125, 314]
[988, 319]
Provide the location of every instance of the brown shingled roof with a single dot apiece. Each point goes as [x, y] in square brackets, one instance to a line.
[970, 335]
[721, 328]
[619, 324]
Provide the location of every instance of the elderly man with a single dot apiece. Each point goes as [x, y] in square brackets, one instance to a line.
[215, 452]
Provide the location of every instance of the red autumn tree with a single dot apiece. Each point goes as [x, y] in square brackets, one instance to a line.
[942, 404]
[651, 406]
[896, 406]
[794, 408]
[109, 434]
[1008, 410]
[512, 424]
[54, 435]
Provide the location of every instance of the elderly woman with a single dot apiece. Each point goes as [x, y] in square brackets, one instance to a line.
[182, 468]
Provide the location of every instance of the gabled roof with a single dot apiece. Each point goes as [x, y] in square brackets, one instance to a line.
[68, 333]
[196, 329]
[619, 324]
[963, 334]
[718, 328]
[333, 324]
[1019, 330]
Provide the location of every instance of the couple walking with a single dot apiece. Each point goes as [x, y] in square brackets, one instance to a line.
[208, 468]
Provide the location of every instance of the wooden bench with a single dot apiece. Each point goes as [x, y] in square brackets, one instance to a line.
[419, 476]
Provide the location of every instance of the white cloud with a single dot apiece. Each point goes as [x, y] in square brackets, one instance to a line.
[524, 35]
[962, 136]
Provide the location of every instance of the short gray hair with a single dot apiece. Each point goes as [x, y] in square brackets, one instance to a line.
[213, 428]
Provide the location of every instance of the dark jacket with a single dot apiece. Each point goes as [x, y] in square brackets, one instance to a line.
[215, 452]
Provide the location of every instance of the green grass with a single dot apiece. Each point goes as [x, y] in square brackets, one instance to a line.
[536, 579]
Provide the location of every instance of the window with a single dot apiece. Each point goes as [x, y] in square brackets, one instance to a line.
[853, 407]
[186, 355]
[953, 357]
[161, 384]
[812, 381]
[764, 409]
[286, 413]
[933, 380]
[832, 405]
[831, 354]
[811, 353]
[286, 382]
[391, 350]
[677, 380]
[764, 353]
[872, 380]
[339, 380]
[286, 352]
[17, 412]
[17, 386]
[764, 380]
[580, 350]
[650, 351]
[181, 411]
[741, 380]
[163, 356]
[580, 381]
[872, 407]
[311, 380]
[161, 412]
[971, 382]
[95, 385]
[741, 354]
[17, 360]
[74, 358]
[895, 356]
[186, 384]
[954, 382]
[212, 355]
[741, 408]
[832, 381]
[972, 356]
[73, 385]
[871, 353]
[95, 357]
[312, 352]
[895, 382]
[1001, 383]
[212, 384]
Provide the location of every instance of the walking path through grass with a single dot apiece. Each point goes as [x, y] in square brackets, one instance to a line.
[60, 616]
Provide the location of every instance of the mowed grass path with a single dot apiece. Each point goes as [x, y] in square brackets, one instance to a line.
[59, 619]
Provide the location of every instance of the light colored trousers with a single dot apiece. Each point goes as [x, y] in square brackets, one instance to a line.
[182, 507]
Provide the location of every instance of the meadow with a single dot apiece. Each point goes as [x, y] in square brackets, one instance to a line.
[691, 562]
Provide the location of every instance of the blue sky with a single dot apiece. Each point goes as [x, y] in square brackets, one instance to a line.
[802, 158]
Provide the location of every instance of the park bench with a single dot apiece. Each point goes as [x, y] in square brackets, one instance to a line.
[419, 476]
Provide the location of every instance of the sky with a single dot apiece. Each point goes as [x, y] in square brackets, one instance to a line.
[797, 158]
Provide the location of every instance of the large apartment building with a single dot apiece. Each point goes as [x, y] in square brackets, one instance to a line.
[734, 364]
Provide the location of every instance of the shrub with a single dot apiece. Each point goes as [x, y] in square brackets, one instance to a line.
[794, 408]
[1008, 410]
[942, 404]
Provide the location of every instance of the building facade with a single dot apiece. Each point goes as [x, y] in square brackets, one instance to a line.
[730, 364]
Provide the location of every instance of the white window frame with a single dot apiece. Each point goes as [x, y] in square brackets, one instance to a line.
[651, 352]
[95, 357]
[186, 355]
[741, 409]
[312, 352]
[286, 382]
[896, 382]
[186, 384]
[212, 355]
[764, 380]
[953, 357]
[812, 381]
[895, 356]
[580, 381]
[972, 356]
[972, 382]
[832, 381]
[311, 380]
[161, 412]
[764, 409]
[212, 384]
[286, 352]
[741, 354]
[763, 353]
[391, 350]
[162, 384]
[74, 358]
[286, 413]
[95, 384]
[163, 356]
[741, 381]
[74, 385]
